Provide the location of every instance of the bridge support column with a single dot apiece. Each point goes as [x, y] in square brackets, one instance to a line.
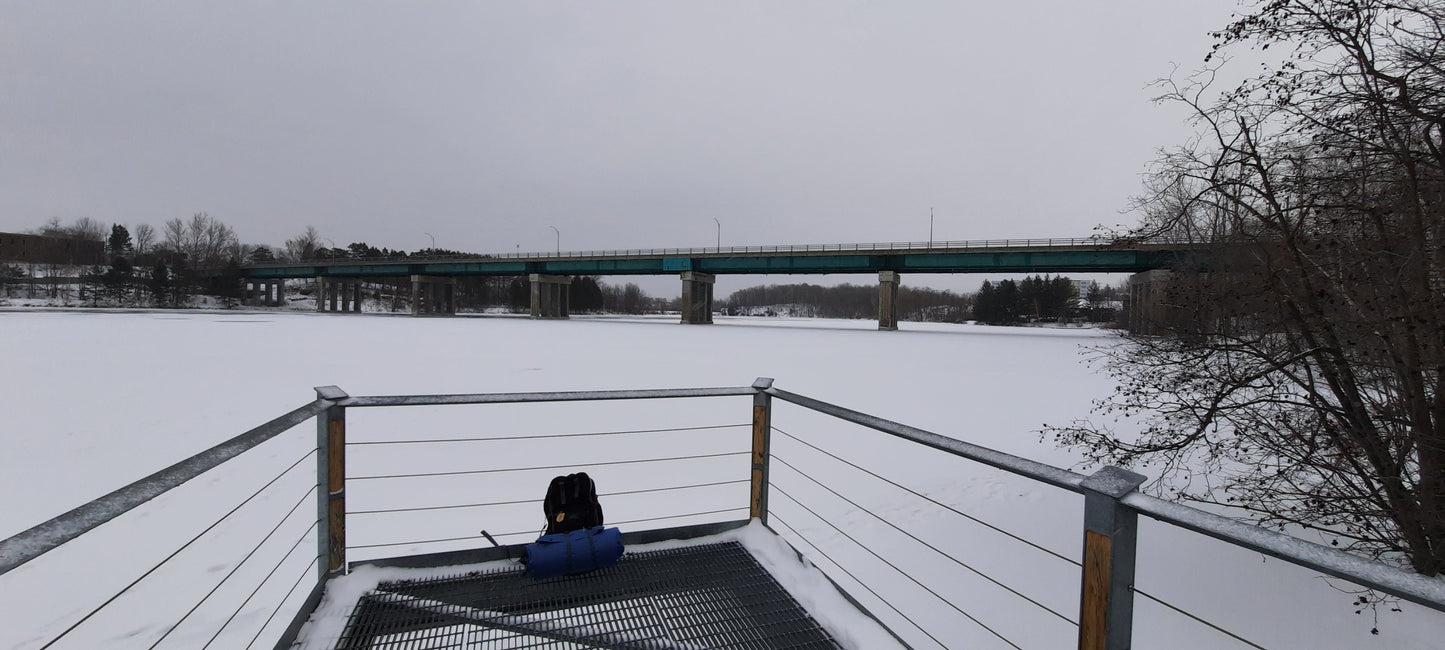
[432, 295]
[1146, 301]
[550, 295]
[332, 294]
[888, 300]
[697, 297]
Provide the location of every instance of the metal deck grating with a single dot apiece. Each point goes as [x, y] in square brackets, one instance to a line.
[710, 596]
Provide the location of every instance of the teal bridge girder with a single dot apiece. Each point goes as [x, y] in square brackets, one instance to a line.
[1080, 255]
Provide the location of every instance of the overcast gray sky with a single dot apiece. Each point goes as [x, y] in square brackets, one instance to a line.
[623, 124]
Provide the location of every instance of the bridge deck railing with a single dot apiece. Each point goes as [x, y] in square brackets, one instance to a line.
[716, 251]
[712, 471]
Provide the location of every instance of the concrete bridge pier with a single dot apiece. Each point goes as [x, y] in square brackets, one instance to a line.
[265, 292]
[888, 300]
[1147, 313]
[550, 295]
[338, 294]
[697, 297]
[433, 295]
[324, 291]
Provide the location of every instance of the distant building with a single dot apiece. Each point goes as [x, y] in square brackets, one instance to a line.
[39, 249]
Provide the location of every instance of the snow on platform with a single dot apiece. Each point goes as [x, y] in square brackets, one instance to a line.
[741, 589]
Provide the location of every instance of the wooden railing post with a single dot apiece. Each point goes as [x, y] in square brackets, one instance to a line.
[331, 484]
[1106, 604]
[762, 436]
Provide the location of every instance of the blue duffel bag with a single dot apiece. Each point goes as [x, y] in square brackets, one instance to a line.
[575, 552]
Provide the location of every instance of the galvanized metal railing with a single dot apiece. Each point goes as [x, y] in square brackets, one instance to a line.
[22, 549]
[1112, 505]
[339, 477]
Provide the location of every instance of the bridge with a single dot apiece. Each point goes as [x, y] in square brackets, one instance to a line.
[433, 278]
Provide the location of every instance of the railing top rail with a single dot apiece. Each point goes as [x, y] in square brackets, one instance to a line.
[1060, 478]
[1413, 587]
[574, 396]
[42, 538]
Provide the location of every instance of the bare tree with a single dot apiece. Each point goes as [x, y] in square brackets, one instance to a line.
[84, 228]
[145, 238]
[303, 246]
[1302, 383]
[89, 230]
[205, 242]
[174, 233]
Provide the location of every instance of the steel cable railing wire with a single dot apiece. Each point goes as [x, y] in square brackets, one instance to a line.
[542, 436]
[931, 500]
[305, 573]
[178, 551]
[526, 501]
[542, 467]
[309, 492]
[263, 583]
[1197, 619]
[774, 517]
[931, 547]
[533, 532]
[895, 568]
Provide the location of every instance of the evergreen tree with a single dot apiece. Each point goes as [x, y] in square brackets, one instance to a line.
[519, 294]
[985, 304]
[119, 242]
[160, 284]
[1009, 300]
[262, 253]
[10, 274]
[92, 284]
[118, 279]
[586, 294]
[226, 285]
[182, 283]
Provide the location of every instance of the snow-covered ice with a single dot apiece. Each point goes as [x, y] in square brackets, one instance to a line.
[92, 401]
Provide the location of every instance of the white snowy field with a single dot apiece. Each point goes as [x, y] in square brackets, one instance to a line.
[92, 401]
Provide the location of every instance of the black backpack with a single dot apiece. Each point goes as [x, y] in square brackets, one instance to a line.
[571, 504]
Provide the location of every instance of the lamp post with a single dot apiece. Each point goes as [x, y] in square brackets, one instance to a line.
[719, 232]
[930, 227]
[559, 238]
[433, 240]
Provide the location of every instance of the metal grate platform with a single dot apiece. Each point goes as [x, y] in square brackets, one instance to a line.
[710, 596]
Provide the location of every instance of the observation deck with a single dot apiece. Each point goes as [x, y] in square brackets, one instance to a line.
[709, 596]
[887, 563]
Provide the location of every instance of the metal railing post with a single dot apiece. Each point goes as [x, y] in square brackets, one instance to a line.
[1106, 604]
[331, 484]
[762, 437]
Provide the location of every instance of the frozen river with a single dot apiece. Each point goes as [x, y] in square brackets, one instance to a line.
[92, 401]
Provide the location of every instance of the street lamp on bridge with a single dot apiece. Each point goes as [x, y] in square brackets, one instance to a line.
[559, 238]
[719, 232]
